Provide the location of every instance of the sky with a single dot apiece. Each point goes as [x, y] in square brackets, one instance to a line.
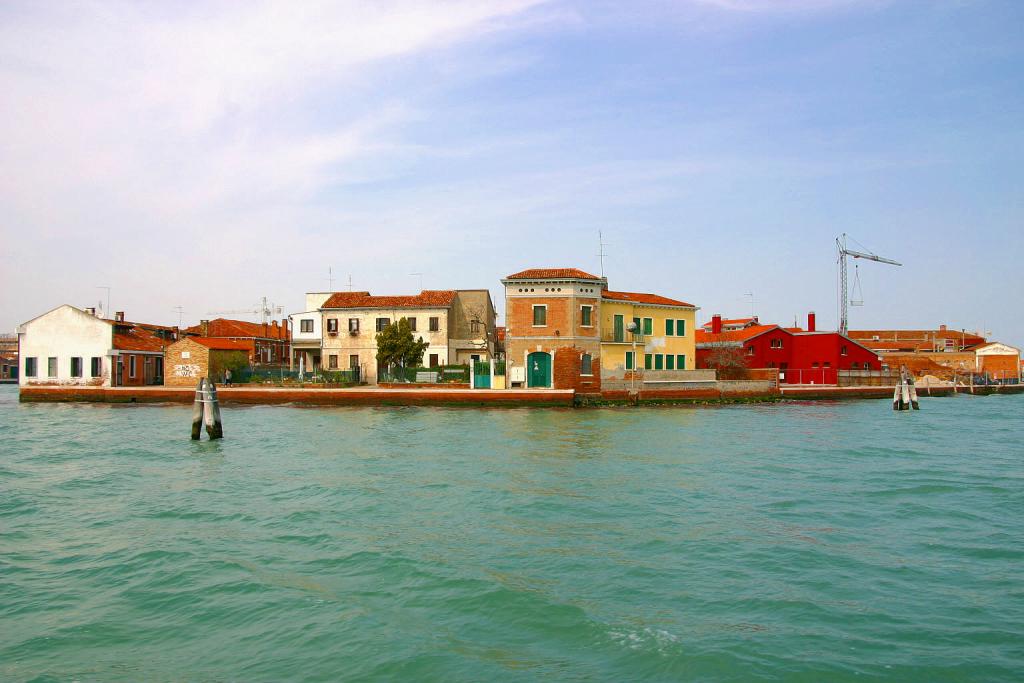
[204, 155]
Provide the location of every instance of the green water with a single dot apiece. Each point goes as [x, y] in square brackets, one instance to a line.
[813, 542]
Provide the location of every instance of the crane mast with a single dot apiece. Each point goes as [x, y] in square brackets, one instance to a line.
[844, 298]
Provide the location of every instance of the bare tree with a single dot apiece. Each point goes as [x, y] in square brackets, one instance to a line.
[729, 361]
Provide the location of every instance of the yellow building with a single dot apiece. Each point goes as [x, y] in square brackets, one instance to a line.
[664, 333]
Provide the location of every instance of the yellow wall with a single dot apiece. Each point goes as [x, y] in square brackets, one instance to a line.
[613, 355]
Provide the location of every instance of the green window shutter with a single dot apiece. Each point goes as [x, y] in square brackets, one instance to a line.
[629, 360]
[668, 327]
[680, 362]
[670, 362]
[658, 361]
[648, 326]
[647, 361]
[639, 325]
[680, 328]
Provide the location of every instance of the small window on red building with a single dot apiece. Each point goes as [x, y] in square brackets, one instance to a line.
[842, 350]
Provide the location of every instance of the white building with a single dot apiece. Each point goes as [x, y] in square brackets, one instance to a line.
[307, 339]
[69, 346]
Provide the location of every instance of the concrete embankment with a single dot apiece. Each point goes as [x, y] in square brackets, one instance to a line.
[264, 395]
[257, 395]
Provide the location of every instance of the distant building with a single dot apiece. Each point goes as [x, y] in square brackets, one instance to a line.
[458, 325]
[801, 356]
[945, 353]
[70, 346]
[8, 357]
[267, 343]
[552, 328]
[732, 324]
[191, 358]
[307, 332]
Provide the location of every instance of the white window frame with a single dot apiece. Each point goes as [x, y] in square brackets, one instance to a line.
[591, 308]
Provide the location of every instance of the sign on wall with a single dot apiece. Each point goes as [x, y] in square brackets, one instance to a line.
[186, 370]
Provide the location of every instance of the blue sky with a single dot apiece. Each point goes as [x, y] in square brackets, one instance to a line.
[212, 154]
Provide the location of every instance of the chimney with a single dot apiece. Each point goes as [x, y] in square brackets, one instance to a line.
[266, 329]
[942, 328]
[811, 319]
[204, 328]
[91, 311]
[275, 329]
[716, 323]
[119, 317]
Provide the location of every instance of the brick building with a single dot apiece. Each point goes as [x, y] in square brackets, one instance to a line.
[192, 358]
[267, 343]
[552, 328]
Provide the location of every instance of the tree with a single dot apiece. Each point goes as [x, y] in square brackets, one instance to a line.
[397, 347]
[729, 361]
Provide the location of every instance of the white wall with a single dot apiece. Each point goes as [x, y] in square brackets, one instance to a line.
[64, 333]
[296, 324]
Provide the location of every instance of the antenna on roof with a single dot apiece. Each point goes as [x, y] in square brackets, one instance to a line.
[330, 280]
[181, 312]
[350, 282]
[421, 279]
[753, 313]
[106, 311]
[600, 251]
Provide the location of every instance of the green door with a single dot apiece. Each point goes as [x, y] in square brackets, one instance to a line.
[620, 330]
[538, 369]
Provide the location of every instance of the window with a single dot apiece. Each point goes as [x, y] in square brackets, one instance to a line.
[76, 367]
[435, 325]
[412, 324]
[332, 361]
[353, 360]
[306, 325]
[51, 366]
[842, 350]
[131, 366]
[681, 362]
[332, 326]
[750, 350]
[353, 325]
[96, 366]
[670, 362]
[776, 343]
[828, 364]
[669, 327]
[586, 315]
[637, 326]
[433, 360]
[659, 361]
[680, 328]
[587, 364]
[648, 361]
[814, 365]
[382, 323]
[629, 360]
[648, 325]
[540, 315]
[474, 327]
[30, 367]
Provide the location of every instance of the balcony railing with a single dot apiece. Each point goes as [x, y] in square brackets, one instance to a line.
[624, 337]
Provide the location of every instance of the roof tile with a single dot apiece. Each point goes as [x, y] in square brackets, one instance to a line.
[552, 274]
[643, 298]
[428, 298]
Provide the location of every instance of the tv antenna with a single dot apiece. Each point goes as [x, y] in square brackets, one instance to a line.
[421, 279]
[330, 279]
[181, 314]
[600, 250]
[753, 302]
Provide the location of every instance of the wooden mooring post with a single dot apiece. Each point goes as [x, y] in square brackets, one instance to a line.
[206, 409]
[905, 395]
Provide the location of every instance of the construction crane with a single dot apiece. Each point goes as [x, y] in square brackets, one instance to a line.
[844, 300]
[264, 310]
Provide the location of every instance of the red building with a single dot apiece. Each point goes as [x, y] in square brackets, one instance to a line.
[267, 343]
[801, 356]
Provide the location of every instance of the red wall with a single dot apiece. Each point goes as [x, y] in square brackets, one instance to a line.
[800, 353]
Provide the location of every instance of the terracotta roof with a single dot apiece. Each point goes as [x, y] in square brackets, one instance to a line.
[552, 274]
[223, 327]
[138, 339]
[736, 336]
[642, 298]
[220, 344]
[428, 298]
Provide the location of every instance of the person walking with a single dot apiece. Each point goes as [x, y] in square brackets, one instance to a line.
[227, 376]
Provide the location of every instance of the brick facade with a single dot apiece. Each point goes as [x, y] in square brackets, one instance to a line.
[185, 363]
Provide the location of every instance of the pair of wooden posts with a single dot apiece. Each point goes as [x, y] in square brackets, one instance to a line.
[206, 409]
[905, 396]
